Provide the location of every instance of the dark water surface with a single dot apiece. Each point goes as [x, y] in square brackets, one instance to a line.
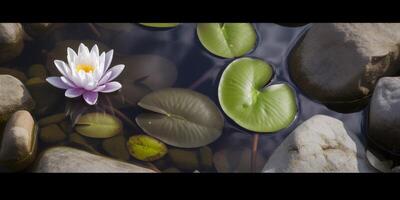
[198, 70]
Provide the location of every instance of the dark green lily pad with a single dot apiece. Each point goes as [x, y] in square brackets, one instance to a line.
[146, 148]
[98, 125]
[227, 40]
[181, 117]
[160, 25]
[245, 99]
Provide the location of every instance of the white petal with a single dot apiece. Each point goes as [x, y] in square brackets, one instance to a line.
[100, 70]
[108, 59]
[111, 87]
[83, 51]
[74, 92]
[105, 78]
[71, 56]
[67, 82]
[95, 50]
[116, 71]
[90, 97]
[57, 82]
[99, 88]
[61, 66]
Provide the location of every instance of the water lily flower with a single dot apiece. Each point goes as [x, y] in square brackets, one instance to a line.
[87, 73]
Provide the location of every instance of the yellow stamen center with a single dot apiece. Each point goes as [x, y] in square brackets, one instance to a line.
[85, 68]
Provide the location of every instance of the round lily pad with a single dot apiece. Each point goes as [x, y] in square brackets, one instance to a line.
[245, 99]
[160, 25]
[227, 40]
[98, 125]
[146, 148]
[181, 117]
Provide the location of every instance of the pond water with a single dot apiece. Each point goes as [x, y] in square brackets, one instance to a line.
[197, 69]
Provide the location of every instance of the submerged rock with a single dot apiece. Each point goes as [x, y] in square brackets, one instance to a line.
[66, 159]
[11, 41]
[191, 159]
[52, 134]
[320, 144]
[18, 142]
[384, 118]
[45, 95]
[15, 73]
[52, 119]
[37, 29]
[184, 159]
[339, 64]
[37, 70]
[116, 147]
[13, 96]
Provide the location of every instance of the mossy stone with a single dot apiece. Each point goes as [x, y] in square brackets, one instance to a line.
[15, 73]
[184, 159]
[116, 148]
[206, 158]
[171, 170]
[37, 70]
[52, 134]
[52, 119]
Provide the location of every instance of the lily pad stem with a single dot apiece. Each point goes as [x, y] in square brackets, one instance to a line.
[254, 152]
[94, 30]
[121, 115]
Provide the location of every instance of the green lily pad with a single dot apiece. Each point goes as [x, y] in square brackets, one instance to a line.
[181, 117]
[227, 40]
[146, 148]
[245, 99]
[160, 25]
[98, 125]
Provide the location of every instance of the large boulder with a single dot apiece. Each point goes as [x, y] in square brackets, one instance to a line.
[66, 159]
[339, 64]
[11, 41]
[320, 144]
[18, 142]
[13, 96]
[384, 118]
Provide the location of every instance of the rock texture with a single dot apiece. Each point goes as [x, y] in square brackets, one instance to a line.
[320, 144]
[13, 96]
[339, 64]
[66, 159]
[18, 142]
[384, 117]
[11, 41]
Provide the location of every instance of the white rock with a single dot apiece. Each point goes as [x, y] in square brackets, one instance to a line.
[384, 117]
[13, 96]
[18, 143]
[320, 144]
[66, 159]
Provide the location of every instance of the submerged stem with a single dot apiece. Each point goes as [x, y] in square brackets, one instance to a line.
[121, 115]
[94, 30]
[254, 152]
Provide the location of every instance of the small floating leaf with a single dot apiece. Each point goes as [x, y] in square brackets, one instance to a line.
[146, 148]
[227, 40]
[181, 118]
[160, 25]
[244, 99]
[98, 125]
